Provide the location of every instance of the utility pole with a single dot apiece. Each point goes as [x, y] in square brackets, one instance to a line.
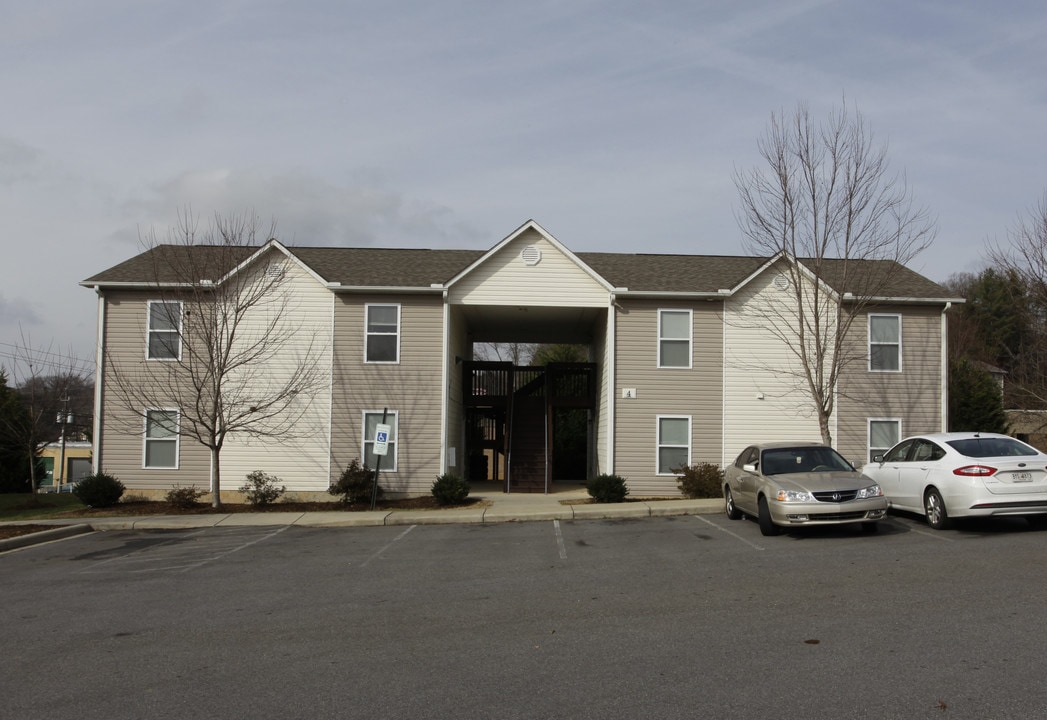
[64, 418]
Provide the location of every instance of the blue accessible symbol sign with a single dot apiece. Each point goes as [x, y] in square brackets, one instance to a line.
[381, 439]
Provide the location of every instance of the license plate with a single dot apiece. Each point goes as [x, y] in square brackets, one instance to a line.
[1021, 477]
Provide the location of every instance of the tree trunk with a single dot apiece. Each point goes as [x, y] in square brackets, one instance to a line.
[823, 425]
[216, 489]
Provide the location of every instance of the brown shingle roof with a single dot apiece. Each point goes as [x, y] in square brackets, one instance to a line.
[413, 268]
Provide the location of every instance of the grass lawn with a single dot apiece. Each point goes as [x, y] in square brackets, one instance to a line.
[23, 506]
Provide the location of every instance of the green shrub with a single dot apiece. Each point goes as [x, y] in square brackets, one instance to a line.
[449, 489]
[703, 480]
[184, 497]
[99, 490]
[355, 484]
[261, 489]
[607, 488]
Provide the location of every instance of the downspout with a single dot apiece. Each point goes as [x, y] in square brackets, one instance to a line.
[446, 382]
[945, 366]
[611, 383]
[96, 421]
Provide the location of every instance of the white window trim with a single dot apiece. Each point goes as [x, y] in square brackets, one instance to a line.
[869, 343]
[392, 418]
[690, 338]
[368, 333]
[658, 441]
[149, 329]
[868, 436]
[177, 438]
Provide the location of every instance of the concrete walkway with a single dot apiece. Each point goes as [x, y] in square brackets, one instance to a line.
[499, 507]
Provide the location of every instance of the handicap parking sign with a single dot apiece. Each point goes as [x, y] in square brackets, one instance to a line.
[381, 439]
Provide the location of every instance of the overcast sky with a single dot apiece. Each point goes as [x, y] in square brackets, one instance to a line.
[447, 124]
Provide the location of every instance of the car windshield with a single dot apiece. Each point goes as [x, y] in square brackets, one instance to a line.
[803, 459]
[992, 447]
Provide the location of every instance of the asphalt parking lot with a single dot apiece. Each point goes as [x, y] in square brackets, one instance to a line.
[684, 617]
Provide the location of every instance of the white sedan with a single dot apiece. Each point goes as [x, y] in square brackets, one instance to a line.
[963, 474]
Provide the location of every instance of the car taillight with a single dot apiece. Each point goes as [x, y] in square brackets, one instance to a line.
[974, 470]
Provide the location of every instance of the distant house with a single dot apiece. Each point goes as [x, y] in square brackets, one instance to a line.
[75, 457]
[682, 367]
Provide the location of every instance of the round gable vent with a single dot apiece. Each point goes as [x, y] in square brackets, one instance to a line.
[531, 255]
[781, 282]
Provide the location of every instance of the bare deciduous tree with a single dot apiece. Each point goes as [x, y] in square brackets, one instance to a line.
[53, 388]
[825, 202]
[226, 350]
[1023, 259]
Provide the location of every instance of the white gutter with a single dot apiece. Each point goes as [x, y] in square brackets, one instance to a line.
[339, 288]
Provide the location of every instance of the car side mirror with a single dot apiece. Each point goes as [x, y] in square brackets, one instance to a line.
[877, 458]
[749, 467]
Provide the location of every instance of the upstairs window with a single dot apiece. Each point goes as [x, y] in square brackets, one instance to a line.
[885, 343]
[161, 439]
[383, 333]
[674, 338]
[164, 341]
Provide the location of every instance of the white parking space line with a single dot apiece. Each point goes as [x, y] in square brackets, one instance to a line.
[917, 528]
[559, 540]
[753, 545]
[382, 550]
[182, 553]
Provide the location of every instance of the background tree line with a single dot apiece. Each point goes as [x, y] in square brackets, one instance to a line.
[999, 335]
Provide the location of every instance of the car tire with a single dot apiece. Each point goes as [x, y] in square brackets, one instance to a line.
[767, 526]
[733, 513]
[870, 527]
[934, 509]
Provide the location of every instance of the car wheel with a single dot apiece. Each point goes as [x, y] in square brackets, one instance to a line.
[934, 508]
[767, 526]
[870, 527]
[733, 513]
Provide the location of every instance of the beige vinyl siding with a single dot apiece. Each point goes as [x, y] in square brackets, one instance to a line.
[121, 440]
[504, 279]
[913, 395]
[412, 387]
[300, 459]
[765, 395]
[695, 392]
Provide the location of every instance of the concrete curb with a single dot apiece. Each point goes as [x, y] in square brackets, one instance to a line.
[528, 510]
[58, 533]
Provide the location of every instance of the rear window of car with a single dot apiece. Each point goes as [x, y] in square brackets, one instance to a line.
[992, 447]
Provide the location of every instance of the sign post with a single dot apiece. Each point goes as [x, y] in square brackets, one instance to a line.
[381, 448]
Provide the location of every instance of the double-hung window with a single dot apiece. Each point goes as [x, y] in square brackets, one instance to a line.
[674, 443]
[883, 435]
[164, 340]
[885, 343]
[383, 333]
[161, 439]
[371, 421]
[674, 338]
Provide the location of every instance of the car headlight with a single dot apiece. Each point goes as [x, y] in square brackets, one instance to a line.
[793, 496]
[869, 492]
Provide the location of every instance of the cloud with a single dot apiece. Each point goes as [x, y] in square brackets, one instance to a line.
[307, 209]
[14, 313]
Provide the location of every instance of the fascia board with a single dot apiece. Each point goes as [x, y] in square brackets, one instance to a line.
[532, 225]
